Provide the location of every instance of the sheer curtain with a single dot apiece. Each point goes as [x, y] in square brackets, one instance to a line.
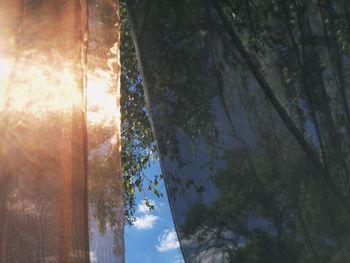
[249, 102]
[44, 144]
[106, 193]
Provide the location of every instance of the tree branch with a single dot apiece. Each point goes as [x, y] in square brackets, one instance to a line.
[254, 67]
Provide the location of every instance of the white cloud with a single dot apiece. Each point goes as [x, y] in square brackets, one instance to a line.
[145, 222]
[179, 261]
[168, 241]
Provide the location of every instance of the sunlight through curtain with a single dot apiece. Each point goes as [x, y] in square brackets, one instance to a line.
[106, 198]
[44, 93]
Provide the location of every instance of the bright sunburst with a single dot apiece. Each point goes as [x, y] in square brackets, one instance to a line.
[101, 100]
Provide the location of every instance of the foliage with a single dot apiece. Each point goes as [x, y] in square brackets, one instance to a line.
[138, 145]
[273, 203]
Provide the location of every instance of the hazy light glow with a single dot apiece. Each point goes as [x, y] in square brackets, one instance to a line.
[53, 80]
[37, 89]
[101, 100]
[40, 89]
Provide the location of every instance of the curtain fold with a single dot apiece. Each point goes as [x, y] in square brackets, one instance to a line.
[45, 84]
[106, 192]
[249, 105]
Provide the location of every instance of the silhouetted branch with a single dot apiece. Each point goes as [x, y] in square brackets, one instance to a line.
[255, 69]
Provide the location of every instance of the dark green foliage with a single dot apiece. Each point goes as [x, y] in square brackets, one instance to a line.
[283, 79]
[138, 145]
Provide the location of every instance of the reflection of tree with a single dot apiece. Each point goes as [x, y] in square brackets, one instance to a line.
[105, 186]
[263, 215]
[178, 102]
[272, 80]
[138, 146]
[254, 67]
[41, 218]
[105, 200]
[43, 155]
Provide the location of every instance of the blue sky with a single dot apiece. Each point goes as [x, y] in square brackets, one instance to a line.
[152, 238]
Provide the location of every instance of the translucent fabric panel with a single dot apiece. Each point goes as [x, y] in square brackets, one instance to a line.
[44, 142]
[249, 105]
[106, 196]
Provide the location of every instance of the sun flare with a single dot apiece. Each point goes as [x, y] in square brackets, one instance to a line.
[39, 89]
[101, 99]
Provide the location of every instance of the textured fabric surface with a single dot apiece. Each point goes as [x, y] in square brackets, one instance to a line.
[249, 102]
[44, 149]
